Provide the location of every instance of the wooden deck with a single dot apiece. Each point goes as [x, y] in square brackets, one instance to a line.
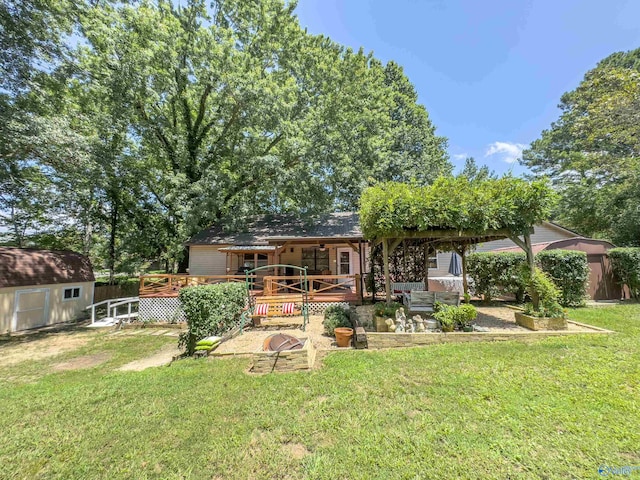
[321, 288]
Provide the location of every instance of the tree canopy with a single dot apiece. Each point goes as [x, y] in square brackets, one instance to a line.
[163, 117]
[591, 153]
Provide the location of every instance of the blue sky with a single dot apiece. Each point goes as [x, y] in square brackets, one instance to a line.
[490, 73]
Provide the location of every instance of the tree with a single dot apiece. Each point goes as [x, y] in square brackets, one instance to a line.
[592, 152]
[239, 111]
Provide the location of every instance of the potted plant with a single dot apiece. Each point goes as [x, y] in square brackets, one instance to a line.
[381, 312]
[337, 321]
[543, 312]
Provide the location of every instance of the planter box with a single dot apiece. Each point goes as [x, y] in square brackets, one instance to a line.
[379, 324]
[287, 361]
[540, 323]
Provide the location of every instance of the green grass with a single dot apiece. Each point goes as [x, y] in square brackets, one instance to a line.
[556, 408]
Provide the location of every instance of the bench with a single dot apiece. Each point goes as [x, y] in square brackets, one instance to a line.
[277, 306]
[400, 288]
[419, 301]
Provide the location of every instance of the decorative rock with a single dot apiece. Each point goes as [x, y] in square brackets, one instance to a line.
[478, 328]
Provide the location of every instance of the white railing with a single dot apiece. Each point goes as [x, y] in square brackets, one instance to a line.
[125, 301]
[112, 303]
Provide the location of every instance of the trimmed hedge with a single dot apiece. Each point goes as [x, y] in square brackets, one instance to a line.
[569, 270]
[210, 310]
[501, 273]
[625, 263]
[497, 273]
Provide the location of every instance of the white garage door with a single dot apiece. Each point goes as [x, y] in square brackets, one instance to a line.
[32, 309]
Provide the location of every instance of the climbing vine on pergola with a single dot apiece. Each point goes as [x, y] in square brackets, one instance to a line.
[454, 213]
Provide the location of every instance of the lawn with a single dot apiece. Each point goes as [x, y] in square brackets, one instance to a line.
[556, 408]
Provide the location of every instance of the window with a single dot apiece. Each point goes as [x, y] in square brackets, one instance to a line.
[253, 260]
[315, 259]
[71, 293]
[433, 260]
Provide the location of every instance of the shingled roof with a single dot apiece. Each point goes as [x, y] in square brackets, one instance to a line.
[263, 229]
[23, 267]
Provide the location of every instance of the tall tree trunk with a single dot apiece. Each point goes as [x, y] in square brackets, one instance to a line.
[465, 284]
[112, 240]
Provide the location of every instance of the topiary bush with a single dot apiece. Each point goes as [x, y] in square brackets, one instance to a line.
[569, 270]
[497, 273]
[210, 310]
[336, 316]
[625, 263]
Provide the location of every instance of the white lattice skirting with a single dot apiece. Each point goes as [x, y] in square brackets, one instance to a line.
[170, 310]
[161, 310]
[318, 308]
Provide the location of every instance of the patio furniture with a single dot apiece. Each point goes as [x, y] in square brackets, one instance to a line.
[277, 306]
[400, 288]
[424, 302]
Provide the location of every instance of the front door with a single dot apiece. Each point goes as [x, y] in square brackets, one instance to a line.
[345, 264]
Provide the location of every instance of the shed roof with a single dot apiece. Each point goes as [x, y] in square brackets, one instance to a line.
[588, 245]
[23, 267]
[263, 229]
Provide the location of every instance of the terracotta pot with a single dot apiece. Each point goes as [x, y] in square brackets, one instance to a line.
[343, 336]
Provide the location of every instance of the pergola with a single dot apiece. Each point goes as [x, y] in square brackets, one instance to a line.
[453, 214]
[457, 241]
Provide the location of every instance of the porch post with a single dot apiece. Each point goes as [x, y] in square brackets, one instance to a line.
[361, 266]
[385, 259]
[425, 250]
[276, 261]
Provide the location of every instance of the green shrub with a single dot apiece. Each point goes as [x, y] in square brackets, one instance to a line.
[451, 317]
[625, 263]
[497, 273]
[569, 270]
[501, 273]
[386, 310]
[210, 310]
[545, 293]
[336, 316]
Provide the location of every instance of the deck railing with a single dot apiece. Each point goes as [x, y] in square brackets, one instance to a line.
[320, 287]
[169, 285]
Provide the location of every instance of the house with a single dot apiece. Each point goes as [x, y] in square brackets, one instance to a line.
[42, 287]
[329, 245]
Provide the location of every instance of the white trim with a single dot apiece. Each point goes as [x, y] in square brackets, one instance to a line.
[45, 318]
[72, 298]
[349, 250]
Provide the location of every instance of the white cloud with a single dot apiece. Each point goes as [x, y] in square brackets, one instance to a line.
[507, 152]
[460, 156]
